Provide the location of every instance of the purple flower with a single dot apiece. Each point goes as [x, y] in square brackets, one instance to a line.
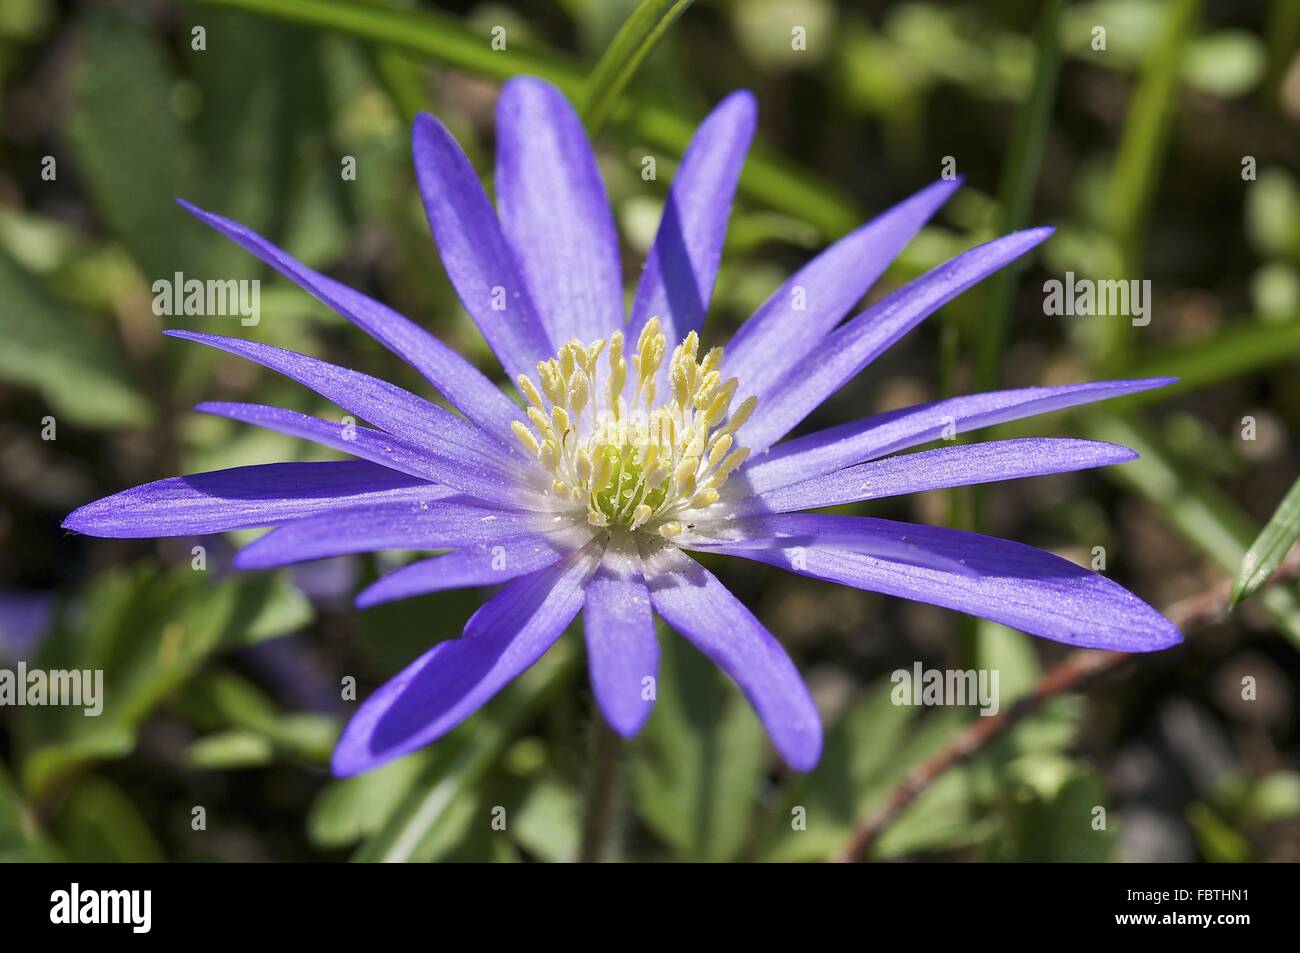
[636, 445]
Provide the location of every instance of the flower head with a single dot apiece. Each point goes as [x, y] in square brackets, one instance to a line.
[633, 442]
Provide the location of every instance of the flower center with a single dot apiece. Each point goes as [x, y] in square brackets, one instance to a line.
[623, 459]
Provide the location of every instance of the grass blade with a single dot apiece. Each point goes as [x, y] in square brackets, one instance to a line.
[633, 43]
[1141, 147]
[767, 179]
[1270, 548]
[1016, 190]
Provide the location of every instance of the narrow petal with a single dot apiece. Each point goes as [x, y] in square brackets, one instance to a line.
[245, 497]
[1007, 582]
[482, 564]
[827, 450]
[463, 474]
[622, 650]
[805, 309]
[387, 406]
[788, 531]
[683, 263]
[453, 679]
[475, 254]
[432, 524]
[696, 604]
[853, 346]
[455, 378]
[960, 465]
[555, 213]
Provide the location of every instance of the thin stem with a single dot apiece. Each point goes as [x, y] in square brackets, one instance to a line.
[602, 794]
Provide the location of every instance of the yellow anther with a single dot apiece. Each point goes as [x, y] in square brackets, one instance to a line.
[681, 384]
[721, 444]
[705, 392]
[649, 331]
[560, 419]
[603, 470]
[525, 436]
[579, 391]
[548, 373]
[617, 378]
[669, 530]
[717, 409]
[684, 475]
[529, 390]
[540, 421]
[640, 515]
[742, 414]
[704, 497]
[733, 460]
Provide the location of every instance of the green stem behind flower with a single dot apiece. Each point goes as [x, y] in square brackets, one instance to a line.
[602, 794]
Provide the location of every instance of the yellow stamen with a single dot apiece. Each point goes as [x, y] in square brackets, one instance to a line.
[632, 463]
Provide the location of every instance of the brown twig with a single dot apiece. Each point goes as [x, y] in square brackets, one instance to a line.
[1200, 609]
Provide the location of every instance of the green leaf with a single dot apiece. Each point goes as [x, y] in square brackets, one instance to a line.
[229, 750]
[548, 823]
[100, 823]
[21, 840]
[872, 748]
[439, 800]
[224, 700]
[1011, 654]
[697, 765]
[1270, 547]
[1228, 63]
[75, 364]
[637, 37]
[148, 632]
[1054, 823]
[1219, 842]
[259, 733]
[1272, 798]
[817, 810]
[352, 808]
[131, 150]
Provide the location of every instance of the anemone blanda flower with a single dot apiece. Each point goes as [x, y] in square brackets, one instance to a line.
[636, 445]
